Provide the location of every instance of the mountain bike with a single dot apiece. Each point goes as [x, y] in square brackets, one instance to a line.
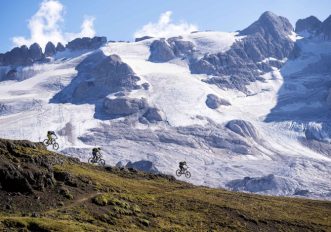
[53, 142]
[97, 160]
[184, 171]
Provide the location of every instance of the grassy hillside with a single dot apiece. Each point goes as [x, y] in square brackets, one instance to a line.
[44, 191]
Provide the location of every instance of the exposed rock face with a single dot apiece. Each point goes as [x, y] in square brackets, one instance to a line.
[22, 55]
[181, 47]
[214, 102]
[50, 49]
[269, 25]
[243, 128]
[32, 173]
[86, 43]
[143, 165]
[164, 50]
[325, 29]
[267, 37]
[142, 38]
[264, 184]
[60, 47]
[121, 107]
[122, 163]
[17, 56]
[153, 115]
[35, 52]
[98, 76]
[314, 27]
[161, 51]
[310, 25]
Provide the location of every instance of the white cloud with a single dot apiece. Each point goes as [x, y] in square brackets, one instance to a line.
[164, 27]
[45, 25]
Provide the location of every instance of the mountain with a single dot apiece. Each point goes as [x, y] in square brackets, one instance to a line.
[248, 110]
[45, 191]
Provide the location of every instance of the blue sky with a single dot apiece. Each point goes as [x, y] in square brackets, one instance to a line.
[119, 20]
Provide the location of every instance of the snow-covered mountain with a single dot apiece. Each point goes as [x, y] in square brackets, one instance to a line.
[247, 110]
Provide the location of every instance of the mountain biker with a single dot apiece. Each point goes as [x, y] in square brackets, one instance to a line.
[182, 165]
[96, 153]
[50, 136]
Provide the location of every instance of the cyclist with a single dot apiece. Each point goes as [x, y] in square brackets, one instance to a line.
[96, 153]
[50, 136]
[182, 165]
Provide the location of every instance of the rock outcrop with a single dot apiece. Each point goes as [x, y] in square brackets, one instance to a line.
[242, 63]
[269, 25]
[50, 49]
[164, 50]
[214, 102]
[143, 165]
[60, 47]
[21, 56]
[161, 51]
[86, 43]
[21, 172]
[314, 27]
[98, 76]
[243, 128]
[142, 38]
[325, 29]
[153, 115]
[264, 184]
[17, 56]
[35, 52]
[122, 106]
[310, 25]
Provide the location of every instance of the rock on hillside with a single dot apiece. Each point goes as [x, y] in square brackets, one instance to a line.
[98, 76]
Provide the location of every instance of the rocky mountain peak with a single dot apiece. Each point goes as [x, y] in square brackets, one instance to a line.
[35, 52]
[50, 49]
[269, 24]
[310, 24]
[60, 47]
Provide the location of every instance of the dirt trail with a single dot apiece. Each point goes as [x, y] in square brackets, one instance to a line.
[76, 202]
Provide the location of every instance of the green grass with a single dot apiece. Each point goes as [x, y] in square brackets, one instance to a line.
[178, 206]
[122, 201]
[46, 224]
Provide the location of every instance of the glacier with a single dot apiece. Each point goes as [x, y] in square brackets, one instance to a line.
[272, 138]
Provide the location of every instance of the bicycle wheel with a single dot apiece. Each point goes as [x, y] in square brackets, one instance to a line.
[102, 162]
[178, 172]
[55, 146]
[90, 160]
[187, 174]
[46, 142]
